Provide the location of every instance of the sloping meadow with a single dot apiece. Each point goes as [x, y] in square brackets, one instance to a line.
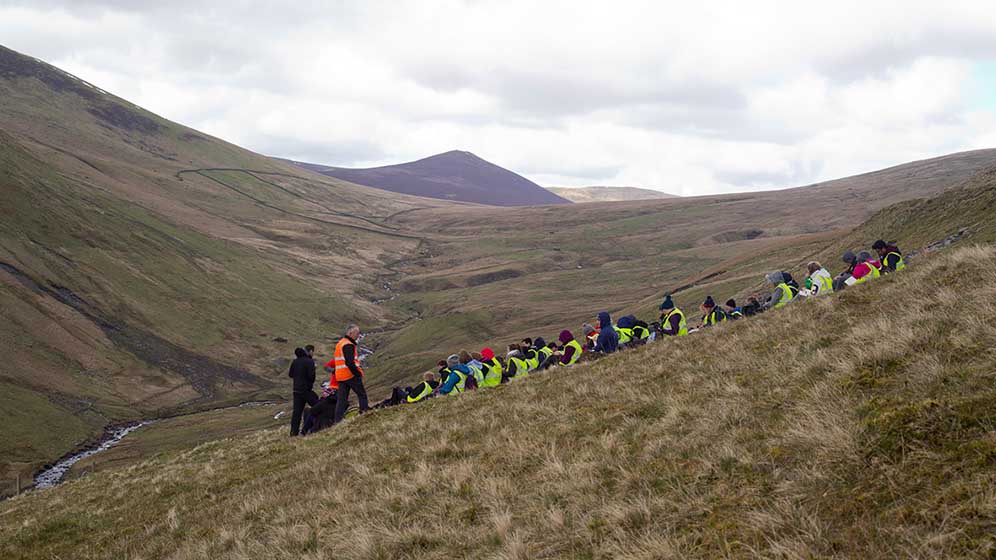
[855, 425]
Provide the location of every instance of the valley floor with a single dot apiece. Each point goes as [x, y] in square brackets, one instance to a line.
[858, 425]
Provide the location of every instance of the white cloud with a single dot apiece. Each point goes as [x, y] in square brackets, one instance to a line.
[685, 98]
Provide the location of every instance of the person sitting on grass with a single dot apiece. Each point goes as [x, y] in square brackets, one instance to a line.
[608, 339]
[672, 319]
[544, 354]
[572, 350]
[890, 257]
[819, 280]
[641, 332]
[711, 313]
[783, 294]
[529, 353]
[732, 311]
[320, 416]
[456, 379]
[861, 269]
[590, 336]
[515, 364]
[473, 363]
[492, 368]
[423, 390]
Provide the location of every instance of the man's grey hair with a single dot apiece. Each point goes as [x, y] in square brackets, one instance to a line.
[349, 328]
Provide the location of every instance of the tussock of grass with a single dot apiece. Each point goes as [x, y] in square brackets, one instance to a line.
[858, 425]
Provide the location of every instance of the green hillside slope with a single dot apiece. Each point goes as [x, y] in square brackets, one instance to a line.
[148, 269]
[856, 425]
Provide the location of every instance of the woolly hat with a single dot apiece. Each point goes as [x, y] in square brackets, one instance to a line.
[731, 302]
[776, 277]
[880, 244]
[453, 360]
[667, 303]
[566, 336]
[709, 302]
[539, 342]
[864, 256]
[849, 257]
[587, 329]
[488, 354]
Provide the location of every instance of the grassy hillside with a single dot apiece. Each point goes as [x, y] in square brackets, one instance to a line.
[857, 425]
[148, 269]
[607, 194]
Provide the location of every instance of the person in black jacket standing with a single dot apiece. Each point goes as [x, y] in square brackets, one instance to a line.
[302, 371]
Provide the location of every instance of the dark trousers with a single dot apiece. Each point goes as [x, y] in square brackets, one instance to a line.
[342, 397]
[300, 399]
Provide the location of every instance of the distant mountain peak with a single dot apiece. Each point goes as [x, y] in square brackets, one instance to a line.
[454, 175]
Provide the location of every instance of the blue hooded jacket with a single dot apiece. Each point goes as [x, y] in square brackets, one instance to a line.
[608, 338]
[452, 379]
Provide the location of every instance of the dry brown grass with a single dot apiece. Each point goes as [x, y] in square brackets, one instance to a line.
[853, 426]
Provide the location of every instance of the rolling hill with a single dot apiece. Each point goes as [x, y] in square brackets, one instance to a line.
[607, 194]
[455, 175]
[148, 269]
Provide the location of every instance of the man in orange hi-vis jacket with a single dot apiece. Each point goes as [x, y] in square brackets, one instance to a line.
[348, 373]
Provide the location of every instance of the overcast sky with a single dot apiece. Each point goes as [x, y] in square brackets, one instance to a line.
[680, 98]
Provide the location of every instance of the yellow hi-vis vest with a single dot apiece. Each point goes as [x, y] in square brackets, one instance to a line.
[460, 385]
[493, 377]
[786, 295]
[825, 284]
[712, 318]
[641, 333]
[577, 352]
[545, 354]
[873, 272]
[625, 335]
[423, 393]
[521, 366]
[900, 264]
[682, 326]
[477, 373]
[532, 358]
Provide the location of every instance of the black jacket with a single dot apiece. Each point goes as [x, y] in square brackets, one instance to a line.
[302, 371]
